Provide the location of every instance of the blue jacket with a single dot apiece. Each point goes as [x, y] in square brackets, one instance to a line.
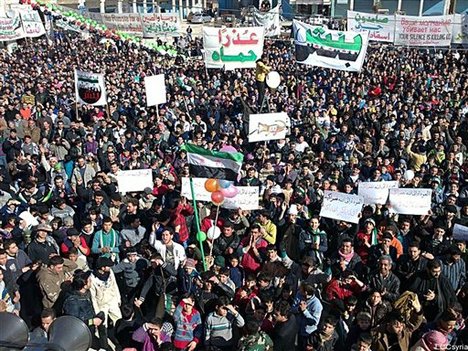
[310, 318]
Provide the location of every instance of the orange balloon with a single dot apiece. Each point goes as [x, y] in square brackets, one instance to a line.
[212, 185]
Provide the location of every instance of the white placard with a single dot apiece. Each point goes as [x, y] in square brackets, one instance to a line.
[459, 31]
[269, 20]
[10, 27]
[134, 180]
[423, 31]
[268, 126]
[380, 27]
[32, 23]
[341, 206]
[410, 201]
[247, 198]
[155, 87]
[29, 219]
[375, 192]
[460, 232]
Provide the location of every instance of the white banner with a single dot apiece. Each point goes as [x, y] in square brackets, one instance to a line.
[459, 31]
[341, 206]
[129, 23]
[375, 192]
[10, 27]
[232, 48]
[163, 24]
[134, 180]
[380, 27]
[90, 88]
[410, 201]
[32, 23]
[269, 20]
[322, 47]
[460, 232]
[247, 198]
[268, 126]
[423, 31]
[155, 87]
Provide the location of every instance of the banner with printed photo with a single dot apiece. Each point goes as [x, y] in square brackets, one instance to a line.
[269, 20]
[90, 88]
[32, 23]
[160, 24]
[322, 47]
[432, 31]
[129, 23]
[268, 126]
[247, 198]
[134, 180]
[341, 206]
[375, 192]
[380, 27]
[10, 27]
[410, 201]
[232, 48]
[460, 29]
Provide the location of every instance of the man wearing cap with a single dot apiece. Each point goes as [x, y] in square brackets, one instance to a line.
[43, 246]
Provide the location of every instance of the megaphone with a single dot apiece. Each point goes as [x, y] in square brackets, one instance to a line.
[14, 333]
[70, 333]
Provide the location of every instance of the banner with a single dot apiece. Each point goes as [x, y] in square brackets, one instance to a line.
[341, 206]
[268, 126]
[232, 48]
[410, 201]
[32, 23]
[134, 180]
[460, 232]
[380, 27]
[155, 87]
[163, 24]
[322, 47]
[459, 30]
[423, 31]
[90, 88]
[247, 198]
[129, 23]
[269, 20]
[375, 192]
[11, 28]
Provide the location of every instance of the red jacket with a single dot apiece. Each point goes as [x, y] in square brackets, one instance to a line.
[207, 223]
[67, 245]
[250, 262]
[336, 291]
[178, 219]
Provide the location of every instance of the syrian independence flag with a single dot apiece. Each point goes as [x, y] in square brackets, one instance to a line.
[90, 88]
[213, 164]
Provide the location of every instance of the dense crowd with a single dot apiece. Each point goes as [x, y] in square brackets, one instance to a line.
[129, 265]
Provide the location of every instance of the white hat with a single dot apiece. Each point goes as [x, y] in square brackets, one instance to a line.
[293, 210]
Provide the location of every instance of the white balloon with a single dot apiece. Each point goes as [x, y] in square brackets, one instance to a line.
[409, 174]
[273, 79]
[213, 233]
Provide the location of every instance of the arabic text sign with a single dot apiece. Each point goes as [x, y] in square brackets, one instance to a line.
[155, 90]
[162, 24]
[247, 198]
[423, 31]
[134, 180]
[322, 47]
[11, 28]
[90, 88]
[268, 126]
[269, 20]
[379, 27]
[32, 23]
[375, 192]
[130, 23]
[232, 48]
[459, 34]
[410, 201]
[341, 206]
[460, 232]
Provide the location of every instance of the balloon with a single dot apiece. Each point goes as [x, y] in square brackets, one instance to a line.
[213, 233]
[212, 185]
[230, 192]
[409, 174]
[273, 80]
[217, 197]
[224, 184]
[201, 236]
[228, 148]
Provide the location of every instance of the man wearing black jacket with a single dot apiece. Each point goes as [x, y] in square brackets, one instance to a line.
[285, 332]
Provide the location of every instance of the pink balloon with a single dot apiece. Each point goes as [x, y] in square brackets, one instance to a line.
[228, 148]
[230, 192]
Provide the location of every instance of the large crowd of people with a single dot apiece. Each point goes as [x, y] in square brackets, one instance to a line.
[278, 278]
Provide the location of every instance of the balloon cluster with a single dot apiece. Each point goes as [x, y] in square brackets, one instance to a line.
[220, 189]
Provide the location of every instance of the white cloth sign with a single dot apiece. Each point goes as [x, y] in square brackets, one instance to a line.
[341, 206]
[269, 20]
[268, 126]
[155, 87]
[375, 192]
[90, 88]
[130, 23]
[32, 23]
[459, 31]
[423, 31]
[460, 232]
[247, 198]
[380, 27]
[232, 48]
[10, 27]
[160, 24]
[323, 47]
[134, 180]
[410, 201]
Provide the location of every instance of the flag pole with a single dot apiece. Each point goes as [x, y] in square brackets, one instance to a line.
[197, 222]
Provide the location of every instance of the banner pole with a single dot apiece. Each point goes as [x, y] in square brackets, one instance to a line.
[197, 222]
